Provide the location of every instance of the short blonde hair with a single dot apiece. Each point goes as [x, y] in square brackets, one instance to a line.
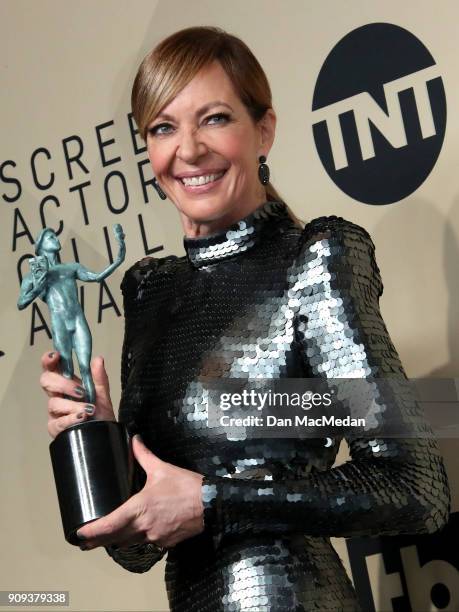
[173, 63]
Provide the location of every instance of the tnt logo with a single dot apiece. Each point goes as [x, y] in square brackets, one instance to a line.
[379, 113]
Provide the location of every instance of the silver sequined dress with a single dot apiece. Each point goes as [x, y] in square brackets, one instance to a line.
[266, 298]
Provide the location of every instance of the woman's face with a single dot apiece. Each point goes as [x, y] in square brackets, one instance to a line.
[206, 132]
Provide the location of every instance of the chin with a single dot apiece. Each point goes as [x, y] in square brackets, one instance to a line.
[202, 211]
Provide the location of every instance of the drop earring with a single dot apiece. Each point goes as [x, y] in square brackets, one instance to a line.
[159, 191]
[263, 170]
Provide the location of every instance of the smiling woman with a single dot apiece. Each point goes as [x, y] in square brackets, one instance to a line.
[246, 521]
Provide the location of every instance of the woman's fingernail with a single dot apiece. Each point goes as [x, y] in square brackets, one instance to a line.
[80, 415]
[89, 409]
[50, 355]
[80, 536]
[79, 391]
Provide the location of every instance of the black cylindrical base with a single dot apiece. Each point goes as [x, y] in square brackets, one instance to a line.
[93, 470]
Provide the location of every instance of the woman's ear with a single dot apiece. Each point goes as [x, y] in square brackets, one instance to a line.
[267, 127]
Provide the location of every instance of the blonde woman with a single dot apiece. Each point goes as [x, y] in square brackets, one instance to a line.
[245, 522]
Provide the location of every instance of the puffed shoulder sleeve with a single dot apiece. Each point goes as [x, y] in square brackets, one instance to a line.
[391, 485]
[137, 558]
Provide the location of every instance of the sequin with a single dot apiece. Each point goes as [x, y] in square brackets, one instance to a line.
[268, 299]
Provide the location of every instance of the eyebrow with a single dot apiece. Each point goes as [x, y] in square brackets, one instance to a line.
[199, 112]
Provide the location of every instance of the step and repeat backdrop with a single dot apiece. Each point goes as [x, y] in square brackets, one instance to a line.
[366, 96]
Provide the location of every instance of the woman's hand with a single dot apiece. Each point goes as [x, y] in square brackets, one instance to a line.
[166, 511]
[63, 412]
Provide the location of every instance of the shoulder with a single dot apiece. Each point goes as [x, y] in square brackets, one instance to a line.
[344, 248]
[338, 236]
[336, 229]
[73, 266]
[139, 273]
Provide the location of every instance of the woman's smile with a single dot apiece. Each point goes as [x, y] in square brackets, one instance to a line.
[201, 182]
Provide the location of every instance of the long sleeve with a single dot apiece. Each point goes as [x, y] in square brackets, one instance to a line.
[137, 558]
[390, 485]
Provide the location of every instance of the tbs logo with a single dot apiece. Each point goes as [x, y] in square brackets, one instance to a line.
[417, 573]
[379, 113]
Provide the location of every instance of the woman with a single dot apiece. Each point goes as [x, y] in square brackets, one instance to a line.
[255, 296]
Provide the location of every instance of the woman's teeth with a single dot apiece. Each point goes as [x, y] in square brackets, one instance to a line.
[202, 180]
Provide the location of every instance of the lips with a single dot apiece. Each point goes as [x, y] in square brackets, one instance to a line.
[205, 186]
[203, 172]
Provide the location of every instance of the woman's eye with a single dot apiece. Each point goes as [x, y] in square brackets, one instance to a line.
[221, 116]
[156, 129]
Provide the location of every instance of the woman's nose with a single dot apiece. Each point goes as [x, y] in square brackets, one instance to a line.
[191, 146]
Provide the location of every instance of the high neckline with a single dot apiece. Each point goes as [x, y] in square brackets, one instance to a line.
[235, 239]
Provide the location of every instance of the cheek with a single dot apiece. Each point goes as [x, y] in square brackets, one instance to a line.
[237, 152]
[238, 148]
[159, 158]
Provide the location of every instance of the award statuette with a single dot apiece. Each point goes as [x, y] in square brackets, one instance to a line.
[92, 461]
